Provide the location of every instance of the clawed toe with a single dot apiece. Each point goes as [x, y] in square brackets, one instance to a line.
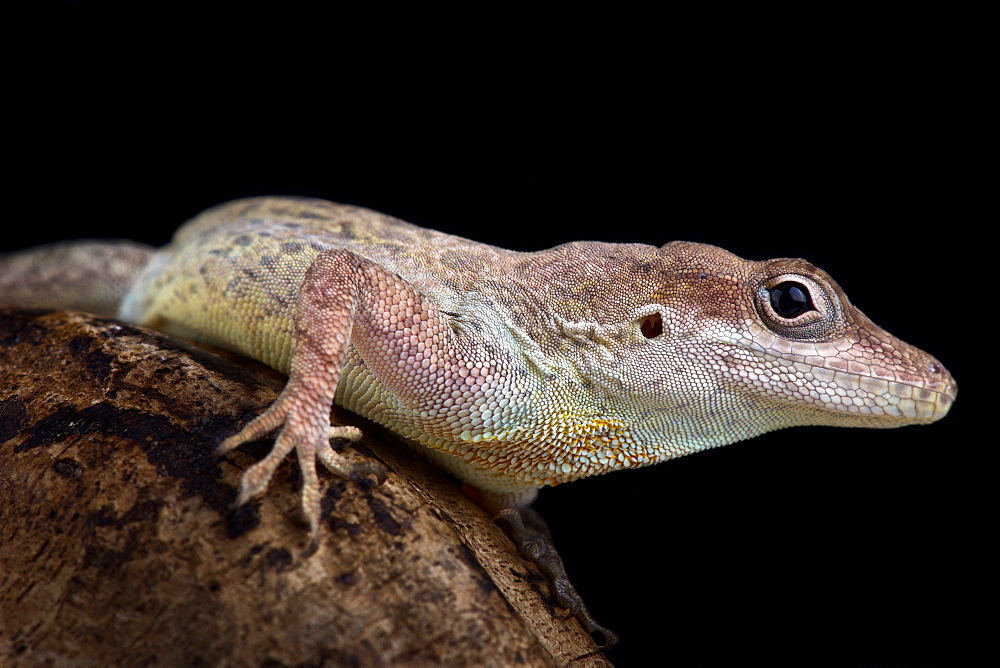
[610, 638]
[566, 596]
[370, 468]
[256, 478]
[346, 431]
[340, 465]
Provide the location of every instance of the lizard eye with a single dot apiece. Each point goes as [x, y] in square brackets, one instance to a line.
[799, 307]
[790, 299]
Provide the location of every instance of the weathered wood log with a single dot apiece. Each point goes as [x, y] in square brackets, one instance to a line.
[119, 543]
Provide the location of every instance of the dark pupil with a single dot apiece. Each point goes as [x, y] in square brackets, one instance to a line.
[789, 299]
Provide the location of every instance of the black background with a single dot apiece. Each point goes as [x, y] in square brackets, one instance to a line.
[849, 137]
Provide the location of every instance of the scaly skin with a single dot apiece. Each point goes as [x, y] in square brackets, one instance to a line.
[514, 370]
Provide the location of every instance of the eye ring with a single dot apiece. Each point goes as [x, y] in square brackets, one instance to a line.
[799, 307]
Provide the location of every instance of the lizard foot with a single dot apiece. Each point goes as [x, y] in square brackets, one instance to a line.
[531, 534]
[308, 433]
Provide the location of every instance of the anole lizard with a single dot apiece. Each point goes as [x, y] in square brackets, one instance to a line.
[512, 370]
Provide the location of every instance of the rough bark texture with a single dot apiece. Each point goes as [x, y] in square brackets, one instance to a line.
[118, 543]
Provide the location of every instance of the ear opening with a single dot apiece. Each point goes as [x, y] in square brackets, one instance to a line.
[651, 325]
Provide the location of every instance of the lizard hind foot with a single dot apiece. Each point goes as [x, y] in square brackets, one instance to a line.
[531, 534]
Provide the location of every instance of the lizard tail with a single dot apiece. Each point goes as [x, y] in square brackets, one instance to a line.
[92, 276]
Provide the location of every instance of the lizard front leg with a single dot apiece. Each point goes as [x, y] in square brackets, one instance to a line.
[342, 296]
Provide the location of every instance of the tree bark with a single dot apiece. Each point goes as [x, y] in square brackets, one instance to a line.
[119, 543]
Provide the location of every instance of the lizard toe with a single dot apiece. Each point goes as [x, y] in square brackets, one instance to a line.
[262, 425]
[256, 478]
[370, 468]
[339, 464]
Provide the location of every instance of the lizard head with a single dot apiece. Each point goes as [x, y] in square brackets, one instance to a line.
[780, 341]
[699, 348]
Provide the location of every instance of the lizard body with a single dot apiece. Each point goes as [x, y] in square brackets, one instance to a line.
[513, 370]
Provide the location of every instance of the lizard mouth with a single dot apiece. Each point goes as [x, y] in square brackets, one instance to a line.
[899, 400]
[917, 390]
[921, 404]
